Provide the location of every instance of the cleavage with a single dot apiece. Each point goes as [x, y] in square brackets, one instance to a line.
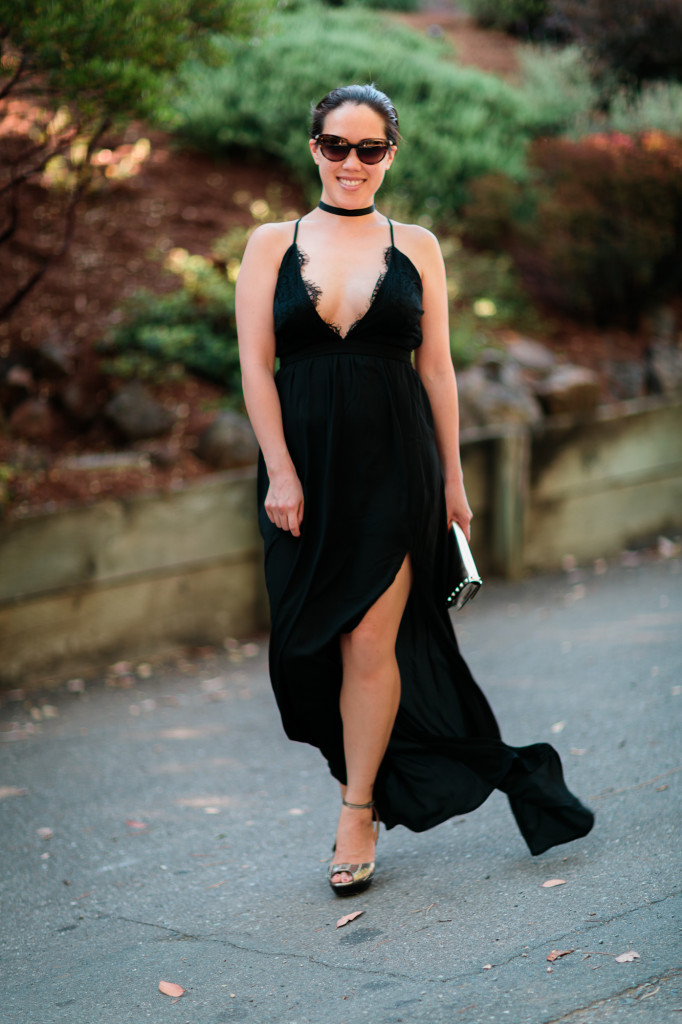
[342, 295]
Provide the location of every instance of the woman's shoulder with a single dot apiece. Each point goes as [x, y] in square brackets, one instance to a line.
[272, 240]
[418, 243]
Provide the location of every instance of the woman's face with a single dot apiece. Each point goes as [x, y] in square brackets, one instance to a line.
[350, 183]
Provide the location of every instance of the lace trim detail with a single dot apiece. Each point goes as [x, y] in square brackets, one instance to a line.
[315, 293]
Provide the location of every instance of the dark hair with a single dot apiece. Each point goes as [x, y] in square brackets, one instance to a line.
[366, 95]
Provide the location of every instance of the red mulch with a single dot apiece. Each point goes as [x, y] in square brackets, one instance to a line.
[487, 50]
[179, 199]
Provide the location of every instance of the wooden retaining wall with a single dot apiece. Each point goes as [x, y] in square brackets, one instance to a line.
[126, 578]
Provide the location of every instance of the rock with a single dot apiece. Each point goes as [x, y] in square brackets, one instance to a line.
[51, 360]
[500, 403]
[567, 389]
[164, 454]
[497, 366]
[16, 384]
[229, 442]
[33, 420]
[28, 458]
[83, 398]
[531, 355]
[494, 391]
[137, 414]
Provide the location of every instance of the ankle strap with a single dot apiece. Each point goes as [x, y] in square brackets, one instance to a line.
[357, 807]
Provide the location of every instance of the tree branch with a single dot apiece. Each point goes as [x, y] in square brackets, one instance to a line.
[23, 290]
[19, 179]
[7, 88]
[13, 219]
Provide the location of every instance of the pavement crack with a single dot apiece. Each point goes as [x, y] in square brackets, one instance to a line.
[178, 933]
[567, 939]
[633, 910]
[357, 969]
[636, 991]
[175, 932]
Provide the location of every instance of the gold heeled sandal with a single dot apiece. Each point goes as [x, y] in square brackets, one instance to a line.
[361, 874]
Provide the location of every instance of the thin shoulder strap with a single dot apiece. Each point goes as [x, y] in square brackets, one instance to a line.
[296, 231]
[390, 224]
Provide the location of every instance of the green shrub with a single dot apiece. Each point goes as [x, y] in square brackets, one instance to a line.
[561, 96]
[558, 92]
[457, 123]
[192, 328]
[657, 105]
[605, 240]
[636, 39]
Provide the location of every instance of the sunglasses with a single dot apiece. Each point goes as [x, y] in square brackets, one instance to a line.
[370, 151]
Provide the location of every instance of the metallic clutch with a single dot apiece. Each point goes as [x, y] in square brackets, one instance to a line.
[463, 578]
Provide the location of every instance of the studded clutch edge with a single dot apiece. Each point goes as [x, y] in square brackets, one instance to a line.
[465, 580]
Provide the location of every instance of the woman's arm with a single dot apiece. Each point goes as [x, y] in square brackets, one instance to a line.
[434, 366]
[255, 329]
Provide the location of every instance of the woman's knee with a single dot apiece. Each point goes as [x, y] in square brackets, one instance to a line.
[369, 643]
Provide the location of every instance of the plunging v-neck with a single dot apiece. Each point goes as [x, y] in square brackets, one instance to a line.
[312, 290]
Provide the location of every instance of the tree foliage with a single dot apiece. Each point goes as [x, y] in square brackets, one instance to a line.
[635, 40]
[71, 71]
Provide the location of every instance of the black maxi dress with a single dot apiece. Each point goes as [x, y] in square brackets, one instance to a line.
[359, 428]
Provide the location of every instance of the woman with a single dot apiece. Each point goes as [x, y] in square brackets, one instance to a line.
[359, 480]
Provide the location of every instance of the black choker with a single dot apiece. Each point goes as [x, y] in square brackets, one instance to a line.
[341, 212]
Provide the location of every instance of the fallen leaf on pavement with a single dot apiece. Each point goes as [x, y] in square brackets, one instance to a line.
[625, 958]
[6, 791]
[348, 918]
[556, 953]
[169, 988]
[551, 882]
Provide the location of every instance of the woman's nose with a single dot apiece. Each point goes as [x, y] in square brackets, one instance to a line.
[352, 160]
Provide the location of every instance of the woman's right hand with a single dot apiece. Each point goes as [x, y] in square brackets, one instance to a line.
[284, 501]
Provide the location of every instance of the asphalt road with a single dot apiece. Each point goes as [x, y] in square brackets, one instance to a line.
[189, 839]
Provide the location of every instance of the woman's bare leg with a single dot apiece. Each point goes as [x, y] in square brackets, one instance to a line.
[370, 694]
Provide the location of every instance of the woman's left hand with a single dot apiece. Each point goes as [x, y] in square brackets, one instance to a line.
[457, 506]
